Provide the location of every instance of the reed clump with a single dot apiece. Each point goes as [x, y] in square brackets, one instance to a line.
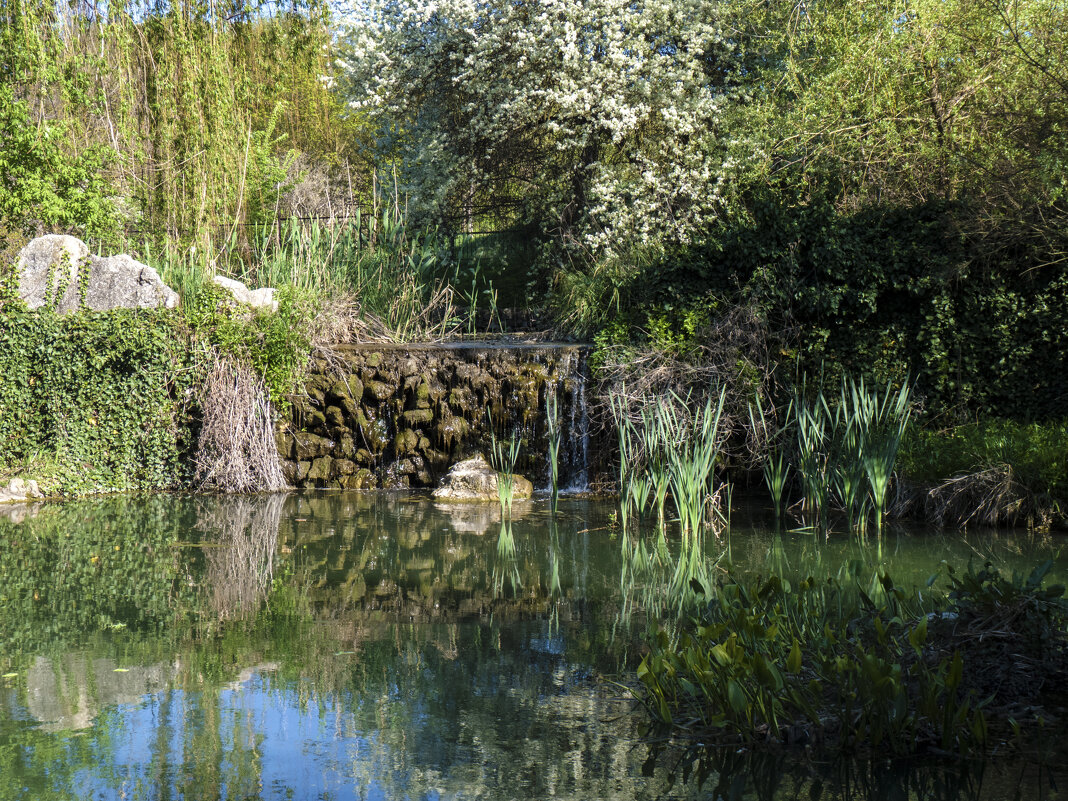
[236, 450]
[843, 451]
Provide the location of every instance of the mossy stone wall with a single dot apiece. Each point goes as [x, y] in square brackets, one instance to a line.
[400, 416]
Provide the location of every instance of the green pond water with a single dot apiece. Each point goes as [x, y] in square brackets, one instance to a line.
[374, 646]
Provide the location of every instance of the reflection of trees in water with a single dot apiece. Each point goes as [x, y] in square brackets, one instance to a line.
[777, 775]
[241, 538]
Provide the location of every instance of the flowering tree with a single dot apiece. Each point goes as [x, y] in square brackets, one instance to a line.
[600, 120]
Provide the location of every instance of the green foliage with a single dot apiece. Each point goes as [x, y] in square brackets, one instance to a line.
[189, 121]
[988, 601]
[883, 293]
[44, 183]
[827, 660]
[75, 570]
[276, 343]
[106, 401]
[101, 393]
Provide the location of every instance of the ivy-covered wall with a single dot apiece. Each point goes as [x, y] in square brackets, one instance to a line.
[98, 395]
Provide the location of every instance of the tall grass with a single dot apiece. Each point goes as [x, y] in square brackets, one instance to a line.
[503, 460]
[552, 424]
[393, 277]
[775, 466]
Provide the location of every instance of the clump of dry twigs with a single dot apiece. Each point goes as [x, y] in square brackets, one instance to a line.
[987, 497]
[731, 354]
[236, 449]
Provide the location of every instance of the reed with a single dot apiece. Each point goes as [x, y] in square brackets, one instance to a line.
[503, 460]
[847, 453]
[889, 418]
[775, 465]
[552, 425]
[813, 419]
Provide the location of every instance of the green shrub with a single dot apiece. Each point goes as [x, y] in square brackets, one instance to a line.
[102, 393]
[1037, 453]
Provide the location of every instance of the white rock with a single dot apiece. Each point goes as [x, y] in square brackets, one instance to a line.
[474, 480]
[256, 298]
[59, 269]
[18, 490]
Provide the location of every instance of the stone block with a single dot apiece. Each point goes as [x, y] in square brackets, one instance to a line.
[320, 470]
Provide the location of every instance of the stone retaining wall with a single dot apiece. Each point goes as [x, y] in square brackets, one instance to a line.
[390, 416]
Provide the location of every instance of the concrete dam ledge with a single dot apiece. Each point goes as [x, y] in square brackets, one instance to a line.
[396, 416]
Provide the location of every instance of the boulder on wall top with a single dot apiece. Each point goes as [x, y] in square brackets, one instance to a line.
[59, 271]
[262, 298]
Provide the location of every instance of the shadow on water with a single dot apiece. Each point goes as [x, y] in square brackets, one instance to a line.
[354, 645]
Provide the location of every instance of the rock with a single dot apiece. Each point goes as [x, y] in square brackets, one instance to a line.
[406, 442]
[474, 480]
[335, 417]
[414, 417]
[18, 490]
[308, 446]
[283, 442]
[289, 472]
[346, 447]
[256, 298]
[378, 390]
[344, 467]
[320, 469]
[51, 269]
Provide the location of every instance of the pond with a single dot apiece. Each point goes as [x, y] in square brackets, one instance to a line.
[382, 646]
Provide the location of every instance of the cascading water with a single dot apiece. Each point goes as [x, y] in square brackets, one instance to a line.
[575, 477]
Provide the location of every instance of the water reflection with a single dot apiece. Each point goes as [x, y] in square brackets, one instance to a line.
[239, 541]
[374, 646]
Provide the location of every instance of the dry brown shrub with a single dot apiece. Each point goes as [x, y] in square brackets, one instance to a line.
[987, 497]
[731, 354]
[236, 450]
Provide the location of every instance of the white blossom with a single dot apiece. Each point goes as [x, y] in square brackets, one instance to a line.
[605, 114]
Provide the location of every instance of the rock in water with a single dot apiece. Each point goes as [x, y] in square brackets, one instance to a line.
[474, 480]
[60, 270]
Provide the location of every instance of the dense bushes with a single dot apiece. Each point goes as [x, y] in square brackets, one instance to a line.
[887, 293]
[101, 394]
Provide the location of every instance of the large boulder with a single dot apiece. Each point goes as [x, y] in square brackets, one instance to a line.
[474, 480]
[60, 269]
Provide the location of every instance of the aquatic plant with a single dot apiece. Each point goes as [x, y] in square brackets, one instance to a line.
[775, 465]
[811, 660]
[885, 422]
[846, 450]
[691, 461]
[552, 425]
[503, 461]
[813, 420]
